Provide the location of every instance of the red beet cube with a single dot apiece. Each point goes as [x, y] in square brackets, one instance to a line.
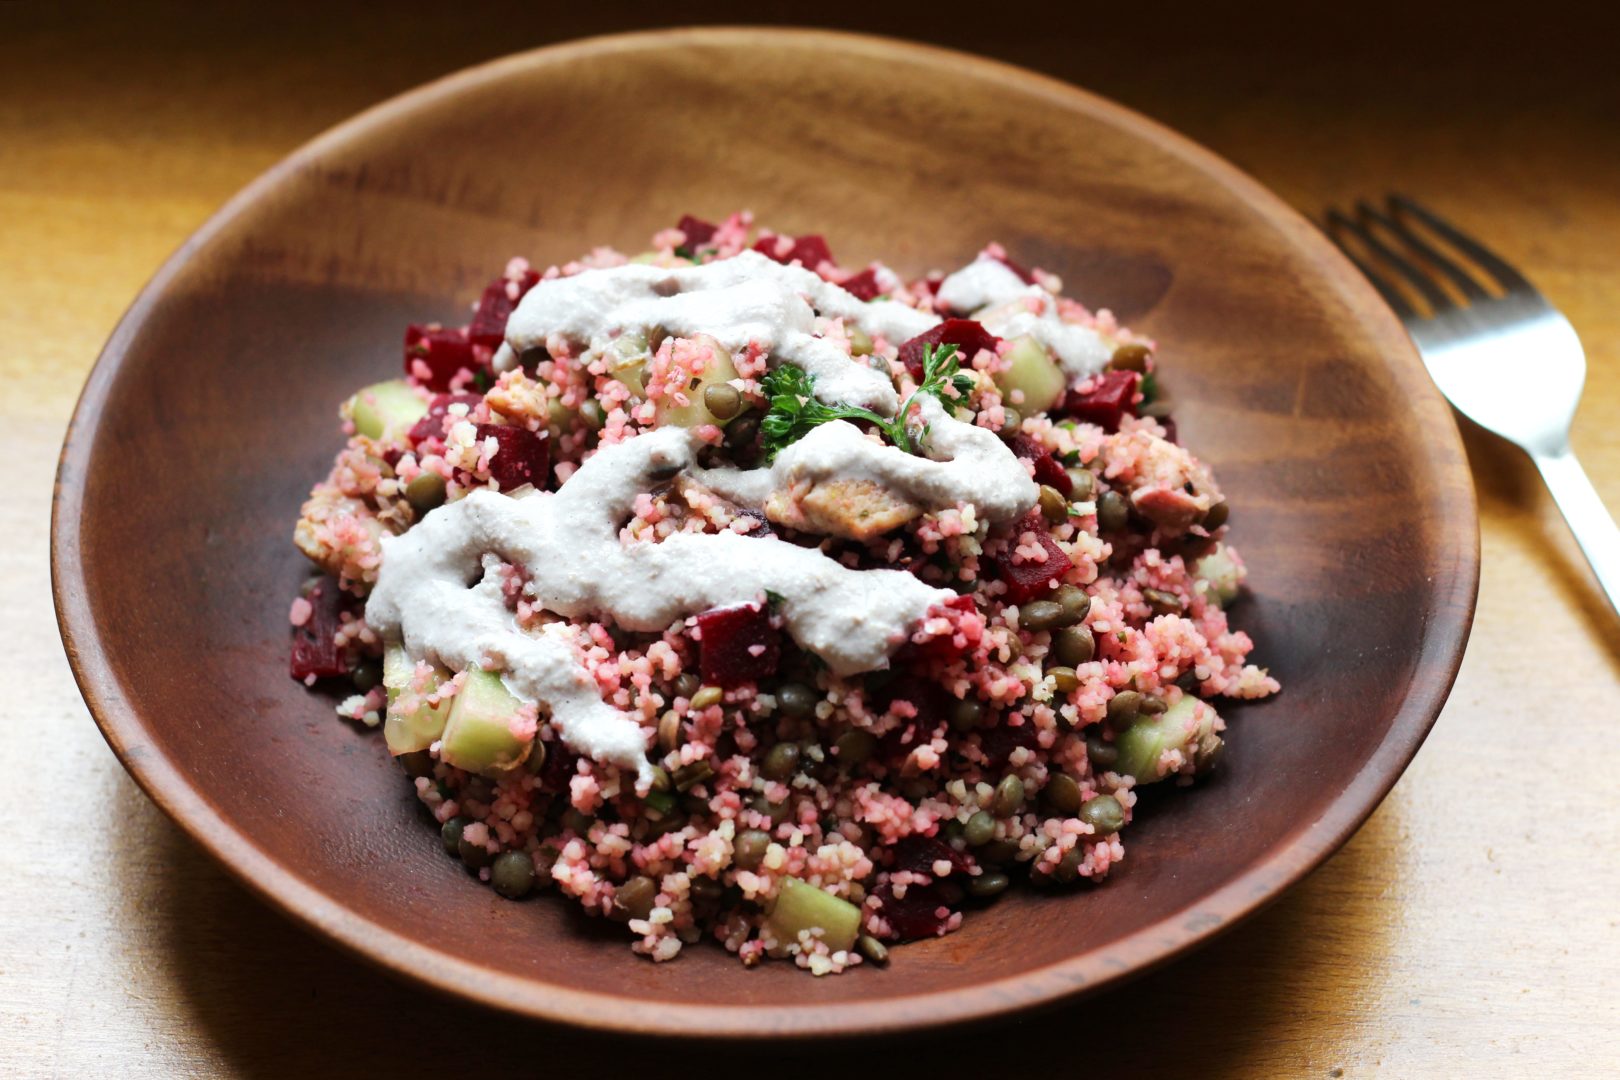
[939, 650]
[1030, 580]
[495, 307]
[737, 645]
[918, 854]
[968, 337]
[1017, 268]
[697, 230]
[1048, 470]
[445, 351]
[521, 457]
[431, 426]
[863, 286]
[921, 913]
[1000, 741]
[314, 648]
[559, 767]
[1111, 397]
[810, 251]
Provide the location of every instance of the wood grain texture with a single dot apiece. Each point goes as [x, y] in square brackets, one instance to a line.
[1467, 930]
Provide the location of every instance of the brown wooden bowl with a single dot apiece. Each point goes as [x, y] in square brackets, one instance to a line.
[211, 411]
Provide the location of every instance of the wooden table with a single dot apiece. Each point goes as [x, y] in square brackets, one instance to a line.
[1472, 928]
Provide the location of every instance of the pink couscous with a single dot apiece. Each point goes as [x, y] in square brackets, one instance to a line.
[735, 593]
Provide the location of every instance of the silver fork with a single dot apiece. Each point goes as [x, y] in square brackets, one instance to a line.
[1500, 353]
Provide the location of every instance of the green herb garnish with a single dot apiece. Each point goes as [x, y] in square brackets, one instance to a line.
[794, 409]
[1149, 388]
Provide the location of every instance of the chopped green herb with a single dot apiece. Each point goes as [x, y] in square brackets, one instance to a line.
[482, 381]
[684, 252]
[774, 599]
[1149, 388]
[794, 409]
[1071, 459]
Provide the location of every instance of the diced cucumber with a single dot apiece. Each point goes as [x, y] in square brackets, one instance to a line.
[1179, 727]
[416, 730]
[478, 736]
[627, 360]
[386, 409]
[800, 906]
[1034, 372]
[1221, 573]
[693, 414]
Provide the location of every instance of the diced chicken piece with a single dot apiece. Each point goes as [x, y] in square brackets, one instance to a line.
[857, 509]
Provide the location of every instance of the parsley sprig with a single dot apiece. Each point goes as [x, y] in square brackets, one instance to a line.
[794, 409]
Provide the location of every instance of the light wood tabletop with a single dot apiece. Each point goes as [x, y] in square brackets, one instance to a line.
[1471, 928]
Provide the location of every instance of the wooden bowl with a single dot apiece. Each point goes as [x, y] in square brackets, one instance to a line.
[212, 410]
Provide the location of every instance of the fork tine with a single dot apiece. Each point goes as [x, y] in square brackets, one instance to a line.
[1487, 259]
[1459, 277]
[1392, 296]
[1438, 300]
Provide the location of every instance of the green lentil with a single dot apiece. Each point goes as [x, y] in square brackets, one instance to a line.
[1102, 753]
[1124, 707]
[634, 899]
[450, 835]
[576, 822]
[366, 675]
[1062, 793]
[782, 761]
[776, 811]
[1162, 602]
[687, 685]
[1112, 512]
[796, 701]
[512, 874]
[1131, 357]
[690, 775]
[706, 696]
[1073, 646]
[749, 850]
[1151, 706]
[474, 856]
[707, 891]
[873, 949]
[1064, 680]
[740, 433]
[1075, 601]
[999, 851]
[591, 412]
[980, 829]
[966, 714]
[1009, 796]
[1216, 515]
[1012, 422]
[425, 491]
[854, 747]
[1054, 507]
[1040, 615]
[1104, 814]
[1207, 754]
[987, 885]
[1069, 868]
[1085, 485]
[417, 763]
[669, 731]
[722, 400]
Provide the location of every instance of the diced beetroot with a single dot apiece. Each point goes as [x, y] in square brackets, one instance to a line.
[1017, 268]
[999, 742]
[1169, 425]
[431, 426]
[967, 335]
[495, 307]
[558, 768]
[697, 230]
[938, 650]
[521, 456]
[810, 250]
[737, 645]
[1031, 580]
[918, 854]
[917, 914]
[863, 286]
[314, 646]
[1111, 397]
[445, 351]
[1048, 470]
[930, 700]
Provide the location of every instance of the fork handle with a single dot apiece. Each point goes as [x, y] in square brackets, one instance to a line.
[1588, 518]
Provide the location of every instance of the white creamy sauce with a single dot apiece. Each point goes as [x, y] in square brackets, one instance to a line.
[439, 593]
[435, 592]
[998, 298]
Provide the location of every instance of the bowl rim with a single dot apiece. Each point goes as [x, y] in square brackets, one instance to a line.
[110, 703]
